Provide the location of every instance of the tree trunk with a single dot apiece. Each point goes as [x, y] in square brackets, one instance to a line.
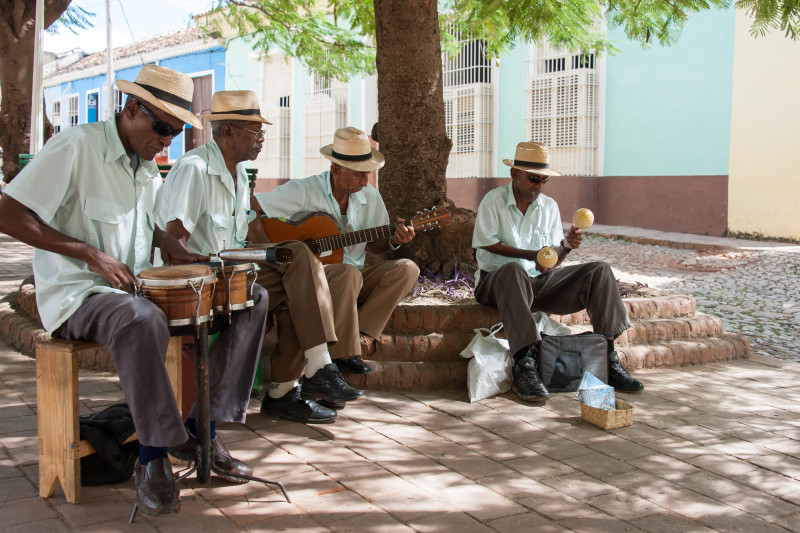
[413, 137]
[17, 34]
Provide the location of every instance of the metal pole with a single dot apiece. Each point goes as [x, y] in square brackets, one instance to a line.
[202, 403]
[37, 93]
[109, 107]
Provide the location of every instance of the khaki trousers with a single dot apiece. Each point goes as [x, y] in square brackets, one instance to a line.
[565, 290]
[301, 302]
[363, 300]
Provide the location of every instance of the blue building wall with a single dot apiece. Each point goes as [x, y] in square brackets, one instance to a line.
[211, 61]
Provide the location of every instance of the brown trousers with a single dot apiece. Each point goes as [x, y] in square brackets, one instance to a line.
[565, 290]
[364, 300]
[301, 302]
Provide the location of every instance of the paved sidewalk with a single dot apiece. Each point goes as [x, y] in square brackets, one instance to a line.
[712, 447]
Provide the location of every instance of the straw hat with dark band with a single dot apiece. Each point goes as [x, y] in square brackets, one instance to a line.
[533, 158]
[351, 149]
[235, 105]
[166, 89]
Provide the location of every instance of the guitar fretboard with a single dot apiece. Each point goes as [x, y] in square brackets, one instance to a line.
[334, 242]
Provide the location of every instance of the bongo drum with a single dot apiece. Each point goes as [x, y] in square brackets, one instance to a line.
[182, 292]
[233, 290]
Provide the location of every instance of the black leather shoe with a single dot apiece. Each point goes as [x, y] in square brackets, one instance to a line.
[292, 407]
[328, 384]
[222, 463]
[156, 493]
[356, 365]
[619, 378]
[336, 406]
[526, 381]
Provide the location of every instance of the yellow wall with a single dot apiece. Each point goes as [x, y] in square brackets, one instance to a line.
[764, 186]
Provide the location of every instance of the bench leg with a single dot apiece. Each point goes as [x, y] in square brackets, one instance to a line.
[57, 415]
[173, 363]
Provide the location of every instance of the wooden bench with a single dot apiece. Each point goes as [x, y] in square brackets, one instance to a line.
[252, 174]
[60, 445]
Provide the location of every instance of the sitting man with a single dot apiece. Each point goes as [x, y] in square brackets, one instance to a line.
[86, 202]
[513, 223]
[363, 297]
[205, 206]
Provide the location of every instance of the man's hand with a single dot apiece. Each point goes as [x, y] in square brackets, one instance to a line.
[174, 253]
[117, 273]
[574, 238]
[539, 267]
[403, 234]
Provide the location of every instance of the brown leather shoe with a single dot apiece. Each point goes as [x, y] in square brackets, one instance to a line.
[156, 493]
[222, 463]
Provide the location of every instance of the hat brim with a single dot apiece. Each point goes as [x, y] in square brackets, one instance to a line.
[138, 92]
[244, 118]
[375, 161]
[542, 171]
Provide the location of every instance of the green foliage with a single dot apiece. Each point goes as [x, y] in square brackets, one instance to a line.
[74, 18]
[307, 31]
[770, 15]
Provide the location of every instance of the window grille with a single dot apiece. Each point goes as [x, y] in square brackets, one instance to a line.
[118, 100]
[562, 108]
[325, 112]
[56, 116]
[275, 87]
[73, 110]
[468, 101]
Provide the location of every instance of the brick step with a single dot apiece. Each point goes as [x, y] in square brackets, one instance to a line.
[409, 317]
[435, 346]
[452, 373]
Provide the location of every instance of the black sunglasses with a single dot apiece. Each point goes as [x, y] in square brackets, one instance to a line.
[535, 179]
[159, 126]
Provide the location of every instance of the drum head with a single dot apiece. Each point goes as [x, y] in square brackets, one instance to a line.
[176, 272]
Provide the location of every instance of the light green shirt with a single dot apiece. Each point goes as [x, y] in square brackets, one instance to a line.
[499, 220]
[199, 191]
[296, 199]
[82, 185]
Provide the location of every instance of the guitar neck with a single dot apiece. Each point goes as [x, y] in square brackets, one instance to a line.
[334, 242]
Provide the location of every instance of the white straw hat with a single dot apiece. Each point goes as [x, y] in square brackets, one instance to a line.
[533, 158]
[235, 105]
[166, 89]
[351, 149]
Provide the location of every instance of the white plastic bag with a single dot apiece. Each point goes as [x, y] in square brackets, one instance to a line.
[489, 371]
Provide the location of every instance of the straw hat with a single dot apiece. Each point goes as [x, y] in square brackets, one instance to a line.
[351, 149]
[533, 158]
[235, 105]
[166, 89]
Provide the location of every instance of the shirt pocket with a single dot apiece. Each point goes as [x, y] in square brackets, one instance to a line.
[221, 222]
[104, 219]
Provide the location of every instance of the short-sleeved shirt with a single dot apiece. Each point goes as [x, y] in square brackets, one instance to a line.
[82, 185]
[296, 199]
[199, 191]
[499, 220]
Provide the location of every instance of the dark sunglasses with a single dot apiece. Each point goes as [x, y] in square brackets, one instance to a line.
[535, 179]
[159, 126]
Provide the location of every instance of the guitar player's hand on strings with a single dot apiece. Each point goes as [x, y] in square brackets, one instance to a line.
[402, 233]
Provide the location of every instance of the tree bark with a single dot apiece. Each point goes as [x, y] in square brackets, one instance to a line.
[17, 34]
[413, 137]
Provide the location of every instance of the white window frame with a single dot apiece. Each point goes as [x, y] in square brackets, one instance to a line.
[326, 110]
[274, 82]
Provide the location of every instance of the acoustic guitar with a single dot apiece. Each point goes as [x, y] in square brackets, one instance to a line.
[321, 234]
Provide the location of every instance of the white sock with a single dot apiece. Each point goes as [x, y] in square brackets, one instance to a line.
[316, 358]
[278, 390]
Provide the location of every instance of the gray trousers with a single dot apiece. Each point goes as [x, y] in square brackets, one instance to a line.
[562, 291]
[136, 333]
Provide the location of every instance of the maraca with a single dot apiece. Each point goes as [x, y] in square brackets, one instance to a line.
[547, 257]
[583, 218]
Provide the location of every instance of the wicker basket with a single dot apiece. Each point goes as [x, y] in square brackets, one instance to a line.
[616, 418]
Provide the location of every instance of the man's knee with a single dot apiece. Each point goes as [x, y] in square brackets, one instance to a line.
[144, 315]
[260, 296]
[345, 276]
[406, 269]
[511, 271]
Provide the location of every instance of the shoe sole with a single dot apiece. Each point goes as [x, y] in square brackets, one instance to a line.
[530, 398]
[230, 479]
[164, 511]
[336, 406]
[298, 419]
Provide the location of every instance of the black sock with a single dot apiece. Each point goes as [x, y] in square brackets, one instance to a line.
[191, 423]
[531, 351]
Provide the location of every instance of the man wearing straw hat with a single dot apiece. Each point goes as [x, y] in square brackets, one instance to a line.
[205, 206]
[363, 297]
[513, 223]
[86, 202]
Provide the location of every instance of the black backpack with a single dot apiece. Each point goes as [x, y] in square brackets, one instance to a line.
[106, 431]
